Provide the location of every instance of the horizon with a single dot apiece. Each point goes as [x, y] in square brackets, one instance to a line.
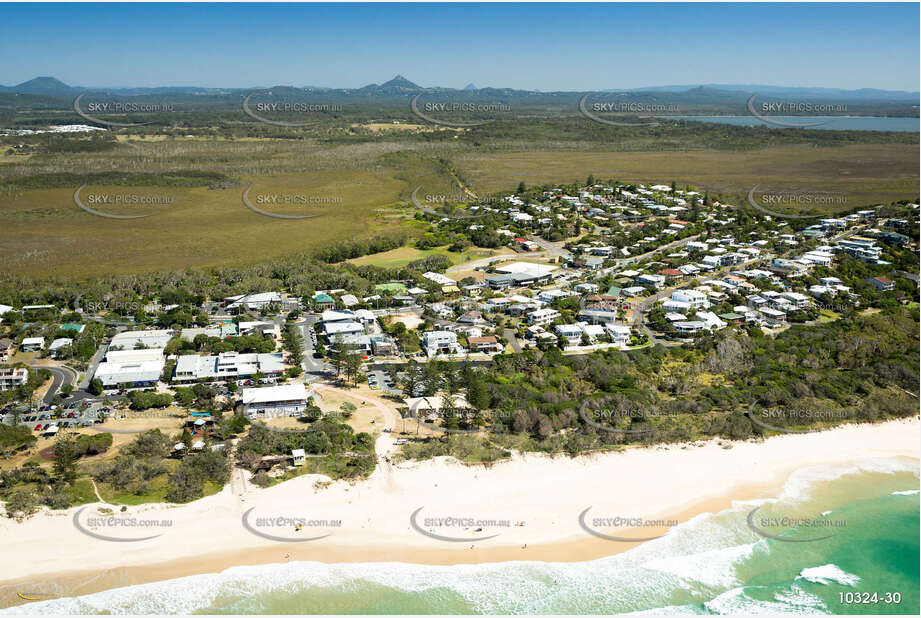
[478, 87]
[497, 45]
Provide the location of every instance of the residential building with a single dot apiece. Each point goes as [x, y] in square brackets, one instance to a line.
[32, 344]
[487, 345]
[542, 317]
[440, 342]
[11, 377]
[882, 283]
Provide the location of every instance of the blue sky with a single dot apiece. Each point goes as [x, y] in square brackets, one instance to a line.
[534, 46]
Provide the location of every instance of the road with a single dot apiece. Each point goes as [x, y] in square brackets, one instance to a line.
[553, 248]
[314, 368]
[60, 375]
[512, 336]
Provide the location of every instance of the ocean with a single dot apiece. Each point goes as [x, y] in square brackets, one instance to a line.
[847, 531]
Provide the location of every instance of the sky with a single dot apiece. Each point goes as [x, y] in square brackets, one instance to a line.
[524, 45]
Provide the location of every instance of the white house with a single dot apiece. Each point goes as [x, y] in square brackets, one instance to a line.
[542, 317]
[440, 342]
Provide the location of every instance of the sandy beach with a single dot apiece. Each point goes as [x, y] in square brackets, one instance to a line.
[530, 508]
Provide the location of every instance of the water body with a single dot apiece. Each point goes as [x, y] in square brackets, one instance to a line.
[713, 564]
[834, 123]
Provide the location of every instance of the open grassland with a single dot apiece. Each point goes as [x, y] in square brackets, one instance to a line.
[45, 232]
[866, 174]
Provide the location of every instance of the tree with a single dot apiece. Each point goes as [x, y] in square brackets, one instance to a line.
[521, 188]
[410, 379]
[65, 458]
[478, 394]
[95, 386]
[449, 412]
[590, 181]
[348, 409]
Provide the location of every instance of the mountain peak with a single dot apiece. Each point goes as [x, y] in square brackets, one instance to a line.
[471, 86]
[400, 82]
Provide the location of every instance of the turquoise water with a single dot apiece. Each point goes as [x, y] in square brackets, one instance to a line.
[835, 123]
[713, 564]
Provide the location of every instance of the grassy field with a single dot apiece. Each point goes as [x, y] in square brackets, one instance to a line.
[867, 174]
[44, 231]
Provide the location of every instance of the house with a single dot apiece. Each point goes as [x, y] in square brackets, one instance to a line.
[882, 284]
[440, 342]
[620, 333]
[694, 298]
[471, 317]
[274, 401]
[299, 456]
[656, 282]
[597, 316]
[58, 345]
[324, 301]
[11, 377]
[689, 327]
[571, 333]
[32, 344]
[349, 300]
[6, 350]
[487, 345]
[773, 317]
[711, 321]
[542, 317]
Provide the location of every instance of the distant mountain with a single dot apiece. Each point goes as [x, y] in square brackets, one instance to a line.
[399, 88]
[401, 82]
[43, 85]
[791, 91]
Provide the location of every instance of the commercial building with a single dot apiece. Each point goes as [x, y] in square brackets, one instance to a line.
[227, 366]
[274, 401]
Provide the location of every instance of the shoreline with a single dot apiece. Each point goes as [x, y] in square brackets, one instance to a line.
[674, 482]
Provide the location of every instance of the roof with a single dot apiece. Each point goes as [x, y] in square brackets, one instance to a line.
[535, 270]
[323, 298]
[270, 394]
